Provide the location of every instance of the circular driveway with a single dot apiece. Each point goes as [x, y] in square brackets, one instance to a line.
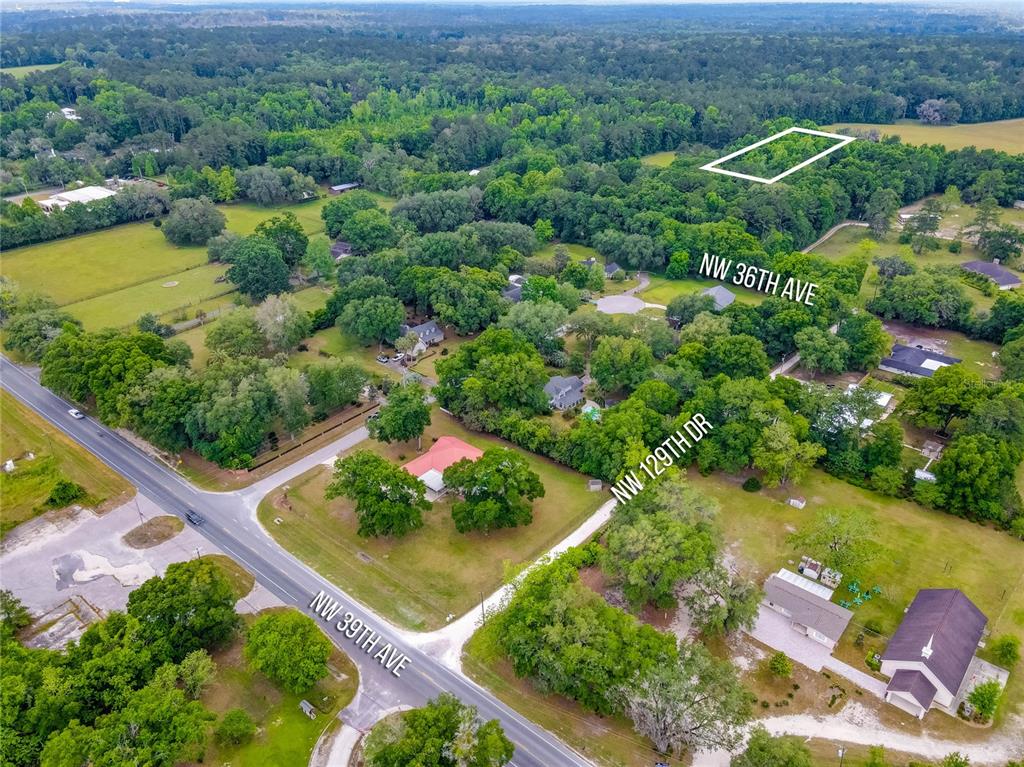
[620, 305]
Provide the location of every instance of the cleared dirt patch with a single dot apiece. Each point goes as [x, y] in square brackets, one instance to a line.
[153, 532]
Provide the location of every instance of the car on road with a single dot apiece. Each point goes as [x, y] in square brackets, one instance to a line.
[78, 415]
[382, 358]
[194, 517]
[398, 357]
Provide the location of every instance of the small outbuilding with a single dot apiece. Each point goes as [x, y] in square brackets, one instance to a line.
[342, 188]
[307, 708]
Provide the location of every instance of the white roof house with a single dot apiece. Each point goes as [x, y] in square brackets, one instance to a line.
[85, 195]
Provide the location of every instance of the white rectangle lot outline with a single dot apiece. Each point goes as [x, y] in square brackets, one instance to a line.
[712, 166]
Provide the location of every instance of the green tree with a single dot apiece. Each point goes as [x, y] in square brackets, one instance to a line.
[369, 231]
[866, 340]
[782, 457]
[985, 698]
[286, 232]
[30, 333]
[282, 323]
[405, 415]
[289, 648]
[236, 728]
[191, 607]
[1002, 244]
[317, 260]
[496, 490]
[1011, 358]
[763, 750]
[373, 319]
[652, 553]
[193, 222]
[881, 210]
[695, 704]
[821, 350]
[621, 363]
[840, 538]
[389, 500]
[196, 672]
[1006, 650]
[739, 356]
[258, 268]
[237, 333]
[543, 229]
[14, 616]
[780, 665]
[338, 211]
[956, 759]
[686, 307]
[444, 733]
[971, 473]
[952, 392]
[539, 322]
[334, 383]
[291, 392]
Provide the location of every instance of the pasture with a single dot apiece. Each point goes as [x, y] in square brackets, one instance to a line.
[1004, 135]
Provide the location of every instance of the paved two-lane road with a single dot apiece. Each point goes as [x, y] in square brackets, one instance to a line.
[231, 526]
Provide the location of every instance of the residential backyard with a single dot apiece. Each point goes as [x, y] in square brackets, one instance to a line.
[419, 580]
[662, 290]
[26, 489]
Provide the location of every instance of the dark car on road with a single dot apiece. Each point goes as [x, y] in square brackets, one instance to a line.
[194, 517]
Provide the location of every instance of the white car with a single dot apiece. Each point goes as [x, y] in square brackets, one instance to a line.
[76, 414]
[398, 357]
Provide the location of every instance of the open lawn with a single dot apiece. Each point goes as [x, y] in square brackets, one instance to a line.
[576, 252]
[332, 342]
[20, 72]
[917, 548]
[662, 290]
[25, 490]
[1006, 135]
[162, 295]
[659, 159]
[418, 580]
[110, 277]
[284, 735]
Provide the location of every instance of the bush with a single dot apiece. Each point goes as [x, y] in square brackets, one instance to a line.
[780, 665]
[1006, 651]
[956, 246]
[869, 660]
[235, 728]
[985, 699]
[752, 484]
[64, 493]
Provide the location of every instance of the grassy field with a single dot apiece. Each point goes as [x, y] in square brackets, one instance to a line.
[1006, 135]
[662, 290]
[26, 489]
[659, 159]
[284, 734]
[20, 72]
[576, 252]
[118, 273]
[334, 343]
[418, 580]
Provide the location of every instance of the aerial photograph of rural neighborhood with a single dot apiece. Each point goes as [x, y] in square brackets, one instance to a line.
[477, 383]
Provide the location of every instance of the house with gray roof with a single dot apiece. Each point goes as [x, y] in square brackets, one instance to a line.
[723, 296]
[808, 604]
[513, 293]
[428, 333]
[928, 658]
[1000, 275]
[564, 392]
[915, 361]
[610, 269]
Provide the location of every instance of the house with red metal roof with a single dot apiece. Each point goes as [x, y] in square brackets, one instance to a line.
[429, 467]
